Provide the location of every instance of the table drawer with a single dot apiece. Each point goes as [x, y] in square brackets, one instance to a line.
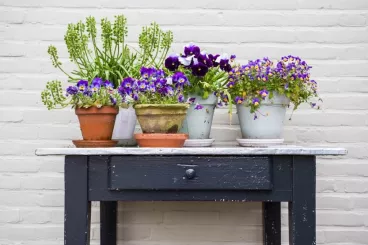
[189, 172]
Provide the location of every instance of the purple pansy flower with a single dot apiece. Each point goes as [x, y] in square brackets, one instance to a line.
[160, 83]
[199, 69]
[263, 93]
[71, 90]
[232, 57]
[225, 65]
[97, 80]
[198, 107]
[213, 58]
[147, 72]
[238, 100]
[179, 79]
[203, 58]
[127, 82]
[191, 49]
[142, 85]
[108, 85]
[181, 98]
[172, 62]
[113, 100]
[82, 85]
[96, 85]
[167, 90]
[191, 100]
[160, 74]
[230, 84]
[255, 101]
[135, 97]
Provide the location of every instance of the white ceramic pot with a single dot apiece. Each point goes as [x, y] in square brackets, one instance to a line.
[270, 121]
[124, 127]
[198, 123]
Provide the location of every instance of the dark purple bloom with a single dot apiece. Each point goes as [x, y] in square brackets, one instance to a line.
[87, 92]
[172, 62]
[203, 58]
[82, 85]
[152, 87]
[255, 101]
[147, 72]
[142, 85]
[238, 100]
[232, 57]
[191, 49]
[97, 80]
[191, 100]
[96, 85]
[108, 85]
[225, 65]
[113, 100]
[179, 79]
[71, 90]
[127, 83]
[263, 93]
[213, 58]
[181, 98]
[224, 97]
[230, 84]
[198, 107]
[160, 83]
[199, 69]
[160, 74]
[167, 90]
[135, 97]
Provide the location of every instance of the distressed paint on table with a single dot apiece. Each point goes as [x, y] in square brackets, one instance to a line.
[213, 177]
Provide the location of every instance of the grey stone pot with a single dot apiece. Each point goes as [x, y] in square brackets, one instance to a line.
[267, 126]
[198, 123]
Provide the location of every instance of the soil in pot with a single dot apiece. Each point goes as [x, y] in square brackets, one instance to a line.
[94, 143]
[97, 123]
[163, 119]
[161, 140]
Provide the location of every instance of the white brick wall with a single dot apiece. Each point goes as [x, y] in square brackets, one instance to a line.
[331, 34]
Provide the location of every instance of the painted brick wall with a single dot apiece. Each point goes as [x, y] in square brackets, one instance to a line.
[331, 34]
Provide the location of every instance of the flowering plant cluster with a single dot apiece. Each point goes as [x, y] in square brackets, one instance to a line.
[154, 87]
[260, 79]
[207, 73]
[114, 59]
[84, 95]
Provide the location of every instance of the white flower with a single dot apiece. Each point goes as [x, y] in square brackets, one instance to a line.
[186, 60]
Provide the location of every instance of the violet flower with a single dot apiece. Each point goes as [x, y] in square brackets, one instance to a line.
[96, 85]
[179, 79]
[108, 85]
[255, 101]
[71, 90]
[191, 100]
[82, 85]
[213, 58]
[142, 85]
[127, 82]
[232, 57]
[198, 107]
[172, 62]
[191, 49]
[199, 69]
[181, 98]
[263, 93]
[238, 100]
[147, 72]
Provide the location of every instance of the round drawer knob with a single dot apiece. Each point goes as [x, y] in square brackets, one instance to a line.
[190, 173]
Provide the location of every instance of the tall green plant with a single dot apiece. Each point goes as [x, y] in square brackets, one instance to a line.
[110, 57]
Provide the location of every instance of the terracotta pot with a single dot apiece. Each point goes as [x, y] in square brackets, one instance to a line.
[164, 119]
[161, 140]
[97, 123]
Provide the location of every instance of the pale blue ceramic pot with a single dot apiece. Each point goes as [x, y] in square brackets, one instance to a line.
[270, 121]
[198, 123]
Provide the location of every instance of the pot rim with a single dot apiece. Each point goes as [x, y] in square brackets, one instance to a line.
[97, 110]
[178, 106]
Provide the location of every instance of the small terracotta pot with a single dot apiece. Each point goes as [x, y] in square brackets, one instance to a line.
[161, 140]
[97, 123]
[164, 119]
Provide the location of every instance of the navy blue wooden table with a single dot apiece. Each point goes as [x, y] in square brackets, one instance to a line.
[267, 175]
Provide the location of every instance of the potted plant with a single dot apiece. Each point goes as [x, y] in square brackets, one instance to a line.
[159, 105]
[207, 74]
[96, 104]
[109, 57]
[262, 90]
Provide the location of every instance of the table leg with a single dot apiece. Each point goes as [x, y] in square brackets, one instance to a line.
[302, 208]
[108, 213]
[77, 207]
[271, 223]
